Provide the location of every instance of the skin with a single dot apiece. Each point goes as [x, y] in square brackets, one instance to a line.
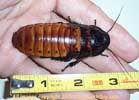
[16, 13]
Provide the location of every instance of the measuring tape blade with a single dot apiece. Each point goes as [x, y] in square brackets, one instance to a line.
[73, 82]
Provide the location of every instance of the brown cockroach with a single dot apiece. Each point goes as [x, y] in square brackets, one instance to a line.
[62, 41]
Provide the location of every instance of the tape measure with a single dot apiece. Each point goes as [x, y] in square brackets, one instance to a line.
[73, 82]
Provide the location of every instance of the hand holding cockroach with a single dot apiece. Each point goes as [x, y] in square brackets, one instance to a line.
[63, 36]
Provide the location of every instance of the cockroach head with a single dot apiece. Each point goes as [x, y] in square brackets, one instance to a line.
[100, 40]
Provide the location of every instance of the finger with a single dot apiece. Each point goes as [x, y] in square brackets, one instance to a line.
[84, 11]
[68, 96]
[4, 4]
[113, 95]
[109, 64]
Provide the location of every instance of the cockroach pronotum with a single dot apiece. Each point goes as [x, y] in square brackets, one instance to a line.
[62, 41]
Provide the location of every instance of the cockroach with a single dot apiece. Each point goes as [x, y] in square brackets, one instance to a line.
[62, 41]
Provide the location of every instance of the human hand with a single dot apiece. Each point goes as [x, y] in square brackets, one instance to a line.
[16, 13]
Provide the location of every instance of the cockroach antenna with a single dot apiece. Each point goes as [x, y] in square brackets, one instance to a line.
[111, 29]
[116, 19]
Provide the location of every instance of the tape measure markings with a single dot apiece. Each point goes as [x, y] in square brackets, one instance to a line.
[76, 82]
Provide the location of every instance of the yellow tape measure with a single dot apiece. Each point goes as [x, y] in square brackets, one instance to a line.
[73, 82]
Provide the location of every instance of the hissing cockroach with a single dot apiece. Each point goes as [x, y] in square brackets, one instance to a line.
[61, 41]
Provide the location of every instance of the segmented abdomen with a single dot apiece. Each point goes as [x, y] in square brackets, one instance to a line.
[48, 39]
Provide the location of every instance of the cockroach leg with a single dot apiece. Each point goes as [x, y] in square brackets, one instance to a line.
[60, 22]
[104, 55]
[88, 65]
[95, 22]
[75, 62]
[67, 19]
[70, 65]
[38, 64]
